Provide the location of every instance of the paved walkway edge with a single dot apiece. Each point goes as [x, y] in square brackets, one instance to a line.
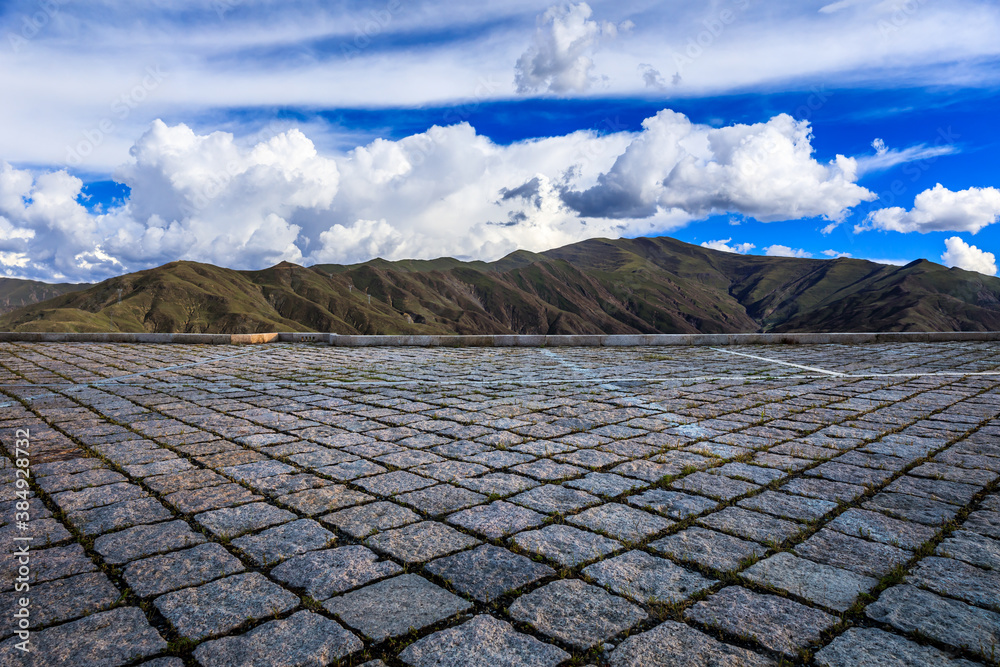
[507, 340]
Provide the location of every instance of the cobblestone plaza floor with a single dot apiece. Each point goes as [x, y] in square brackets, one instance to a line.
[282, 505]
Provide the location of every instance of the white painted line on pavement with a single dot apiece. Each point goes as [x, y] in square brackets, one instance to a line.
[776, 361]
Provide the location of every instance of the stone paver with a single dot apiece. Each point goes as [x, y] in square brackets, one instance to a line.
[708, 548]
[567, 491]
[947, 621]
[420, 542]
[220, 606]
[303, 639]
[777, 623]
[235, 521]
[323, 574]
[488, 572]
[392, 607]
[497, 520]
[871, 646]
[290, 539]
[565, 545]
[824, 585]
[678, 645]
[108, 639]
[133, 543]
[180, 569]
[482, 642]
[647, 579]
[576, 613]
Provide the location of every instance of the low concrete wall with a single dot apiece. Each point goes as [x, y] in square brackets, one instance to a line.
[506, 340]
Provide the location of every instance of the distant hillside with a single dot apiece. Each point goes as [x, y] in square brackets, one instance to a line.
[15, 293]
[646, 285]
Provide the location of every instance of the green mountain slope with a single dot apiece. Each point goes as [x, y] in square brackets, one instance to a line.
[15, 293]
[646, 285]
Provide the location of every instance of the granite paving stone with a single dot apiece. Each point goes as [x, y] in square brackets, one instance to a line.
[565, 545]
[958, 579]
[63, 599]
[624, 523]
[484, 641]
[647, 579]
[755, 526]
[84, 499]
[118, 515]
[231, 522]
[304, 639]
[714, 486]
[852, 553]
[553, 499]
[788, 506]
[325, 499]
[180, 569]
[912, 508]
[323, 574]
[43, 532]
[954, 493]
[673, 504]
[950, 622]
[824, 489]
[678, 645]
[391, 608]
[824, 585]
[709, 548]
[497, 519]
[274, 545]
[106, 639]
[488, 572]
[393, 483]
[421, 542]
[871, 646]
[777, 623]
[984, 522]
[48, 564]
[881, 528]
[195, 501]
[359, 522]
[576, 613]
[971, 548]
[499, 484]
[440, 499]
[220, 606]
[141, 541]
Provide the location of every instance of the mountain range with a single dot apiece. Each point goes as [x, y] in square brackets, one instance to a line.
[643, 285]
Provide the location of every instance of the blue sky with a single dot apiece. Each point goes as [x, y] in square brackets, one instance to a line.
[244, 133]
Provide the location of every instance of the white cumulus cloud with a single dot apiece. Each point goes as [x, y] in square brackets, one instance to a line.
[939, 210]
[784, 251]
[724, 246]
[559, 58]
[969, 257]
[766, 170]
[836, 254]
[247, 204]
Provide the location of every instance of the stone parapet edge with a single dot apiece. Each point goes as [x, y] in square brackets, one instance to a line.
[505, 340]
